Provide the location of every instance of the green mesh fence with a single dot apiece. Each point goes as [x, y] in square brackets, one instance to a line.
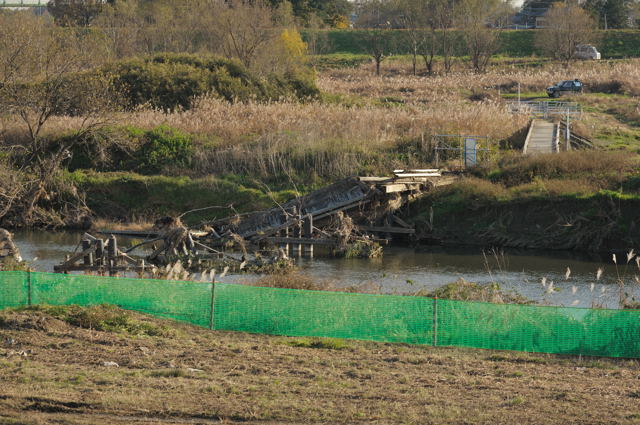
[184, 301]
[14, 289]
[326, 314]
[594, 332]
[613, 333]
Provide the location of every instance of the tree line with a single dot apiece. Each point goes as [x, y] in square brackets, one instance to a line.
[435, 30]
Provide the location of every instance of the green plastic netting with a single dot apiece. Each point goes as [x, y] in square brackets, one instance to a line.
[386, 318]
[14, 289]
[324, 314]
[613, 333]
[184, 301]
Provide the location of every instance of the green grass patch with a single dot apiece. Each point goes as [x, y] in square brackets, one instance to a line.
[126, 196]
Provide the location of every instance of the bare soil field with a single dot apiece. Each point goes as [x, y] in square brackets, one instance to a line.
[60, 369]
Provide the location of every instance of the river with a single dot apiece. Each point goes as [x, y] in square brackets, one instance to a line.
[404, 270]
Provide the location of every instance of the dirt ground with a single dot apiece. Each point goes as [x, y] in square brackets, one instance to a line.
[52, 372]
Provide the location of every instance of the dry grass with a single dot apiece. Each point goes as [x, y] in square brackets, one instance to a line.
[604, 76]
[138, 225]
[54, 373]
[602, 169]
[298, 280]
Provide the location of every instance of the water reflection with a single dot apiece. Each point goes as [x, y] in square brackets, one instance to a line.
[403, 270]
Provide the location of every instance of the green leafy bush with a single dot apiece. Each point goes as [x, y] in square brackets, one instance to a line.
[163, 147]
[170, 81]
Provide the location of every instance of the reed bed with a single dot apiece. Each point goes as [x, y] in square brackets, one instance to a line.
[319, 125]
[620, 76]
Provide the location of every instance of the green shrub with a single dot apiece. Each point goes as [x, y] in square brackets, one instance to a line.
[162, 147]
[170, 81]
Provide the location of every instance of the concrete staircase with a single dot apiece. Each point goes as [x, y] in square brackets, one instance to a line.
[543, 137]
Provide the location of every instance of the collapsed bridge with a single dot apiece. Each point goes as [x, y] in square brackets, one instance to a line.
[356, 211]
[367, 205]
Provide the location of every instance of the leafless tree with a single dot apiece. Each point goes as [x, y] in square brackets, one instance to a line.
[413, 16]
[446, 14]
[481, 41]
[375, 23]
[566, 26]
[42, 74]
[247, 28]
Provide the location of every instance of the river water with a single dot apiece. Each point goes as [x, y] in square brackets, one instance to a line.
[407, 270]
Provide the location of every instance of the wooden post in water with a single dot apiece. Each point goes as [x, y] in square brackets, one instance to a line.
[297, 232]
[88, 259]
[307, 230]
[100, 253]
[284, 233]
[112, 253]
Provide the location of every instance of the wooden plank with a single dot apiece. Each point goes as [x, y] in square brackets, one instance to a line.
[394, 188]
[346, 207]
[374, 179]
[419, 175]
[132, 233]
[376, 229]
[78, 256]
[426, 170]
[78, 268]
[301, 241]
[401, 222]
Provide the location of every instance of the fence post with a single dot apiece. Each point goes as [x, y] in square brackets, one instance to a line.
[213, 291]
[29, 288]
[435, 321]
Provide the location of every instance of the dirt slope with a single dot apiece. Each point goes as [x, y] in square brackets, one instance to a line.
[54, 372]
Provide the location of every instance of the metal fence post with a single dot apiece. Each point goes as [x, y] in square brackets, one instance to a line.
[213, 291]
[435, 321]
[29, 288]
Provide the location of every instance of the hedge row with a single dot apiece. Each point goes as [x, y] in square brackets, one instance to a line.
[520, 43]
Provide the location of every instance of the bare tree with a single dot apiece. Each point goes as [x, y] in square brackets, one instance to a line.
[247, 28]
[446, 13]
[43, 75]
[376, 37]
[413, 18]
[122, 25]
[481, 41]
[566, 26]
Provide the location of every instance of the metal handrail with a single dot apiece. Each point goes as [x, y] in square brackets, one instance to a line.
[545, 109]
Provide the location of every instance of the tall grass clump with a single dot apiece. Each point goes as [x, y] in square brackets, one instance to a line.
[603, 168]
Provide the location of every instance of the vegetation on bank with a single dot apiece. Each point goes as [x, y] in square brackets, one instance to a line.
[577, 200]
[360, 125]
[126, 197]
